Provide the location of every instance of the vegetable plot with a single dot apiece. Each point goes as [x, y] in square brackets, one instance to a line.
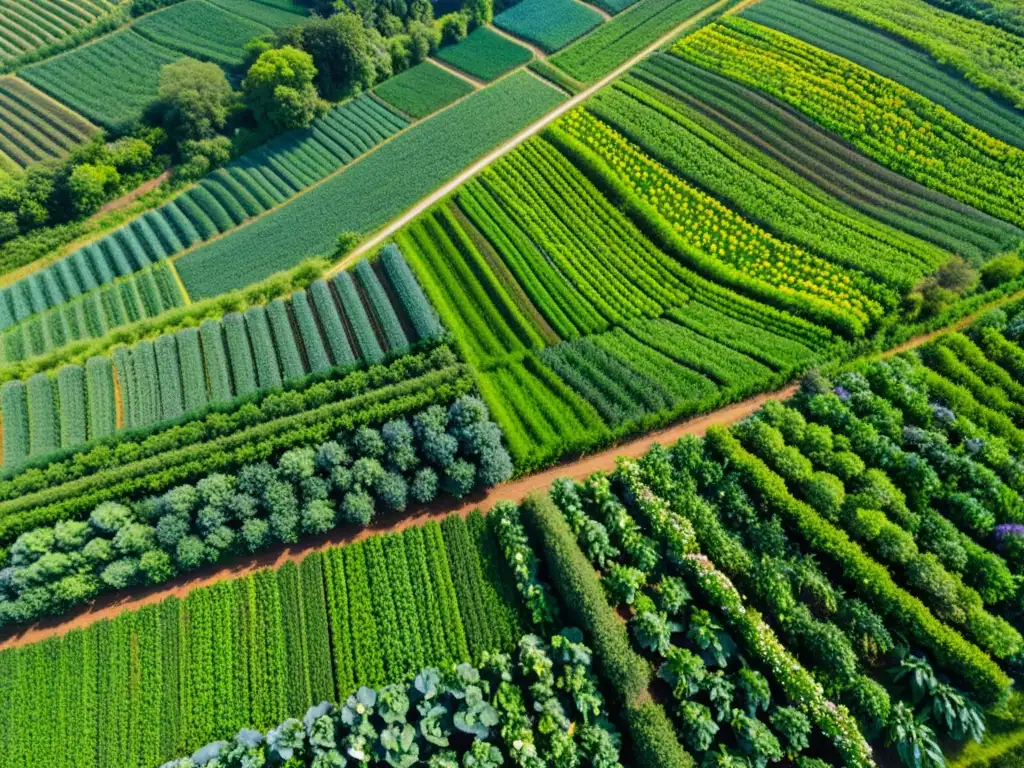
[921, 140]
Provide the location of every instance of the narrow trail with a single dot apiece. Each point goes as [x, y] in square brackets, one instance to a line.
[135, 194]
[476, 82]
[109, 607]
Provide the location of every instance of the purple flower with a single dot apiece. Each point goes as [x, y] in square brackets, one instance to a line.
[1009, 530]
[842, 393]
[942, 413]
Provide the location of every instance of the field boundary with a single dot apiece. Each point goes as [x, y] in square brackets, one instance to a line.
[383, 234]
[514, 490]
[476, 82]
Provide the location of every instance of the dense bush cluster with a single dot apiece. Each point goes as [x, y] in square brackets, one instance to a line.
[465, 715]
[309, 491]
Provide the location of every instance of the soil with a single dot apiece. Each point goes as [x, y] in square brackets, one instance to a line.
[135, 194]
[110, 606]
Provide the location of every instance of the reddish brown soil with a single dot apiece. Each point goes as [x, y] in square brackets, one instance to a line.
[110, 606]
[135, 194]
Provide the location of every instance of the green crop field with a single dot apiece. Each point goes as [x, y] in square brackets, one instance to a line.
[28, 25]
[628, 33]
[485, 54]
[110, 81]
[367, 195]
[422, 90]
[201, 30]
[686, 430]
[551, 25]
[33, 127]
[272, 14]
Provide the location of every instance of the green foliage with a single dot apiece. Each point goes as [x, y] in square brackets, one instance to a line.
[551, 25]
[617, 40]
[583, 597]
[422, 90]
[279, 89]
[484, 54]
[418, 160]
[195, 97]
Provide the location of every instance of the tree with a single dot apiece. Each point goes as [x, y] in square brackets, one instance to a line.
[480, 12]
[195, 97]
[342, 54]
[279, 89]
[454, 27]
[90, 186]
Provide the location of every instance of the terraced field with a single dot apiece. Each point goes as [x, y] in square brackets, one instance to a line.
[28, 25]
[110, 81]
[34, 128]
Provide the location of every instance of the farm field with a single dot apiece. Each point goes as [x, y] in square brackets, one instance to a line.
[201, 30]
[422, 90]
[485, 54]
[258, 181]
[26, 26]
[110, 81]
[551, 25]
[375, 189]
[515, 414]
[859, 43]
[35, 128]
[630, 32]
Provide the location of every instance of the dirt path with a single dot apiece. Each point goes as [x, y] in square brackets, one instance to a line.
[539, 52]
[110, 606]
[383, 235]
[134, 195]
[476, 82]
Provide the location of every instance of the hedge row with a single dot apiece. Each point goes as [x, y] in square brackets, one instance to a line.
[977, 671]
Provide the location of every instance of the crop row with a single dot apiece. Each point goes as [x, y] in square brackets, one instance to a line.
[330, 409]
[892, 58]
[469, 715]
[542, 417]
[485, 54]
[111, 82]
[474, 303]
[551, 24]
[248, 653]
[422, 90]
[26, 26]
[922, 141]
[582, 262]
[719, 658]
[34, 127]
[675, 135]
[164, 379]
[984, 54]
[363, 197]
[629, 383]
[92, 315]
[816, 155]
[615, 41]
[203, 31]
[726, 237]
[352, 479]
[221, 201]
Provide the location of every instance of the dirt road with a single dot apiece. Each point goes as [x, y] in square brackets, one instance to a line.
[382, 236]
[111, 606]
